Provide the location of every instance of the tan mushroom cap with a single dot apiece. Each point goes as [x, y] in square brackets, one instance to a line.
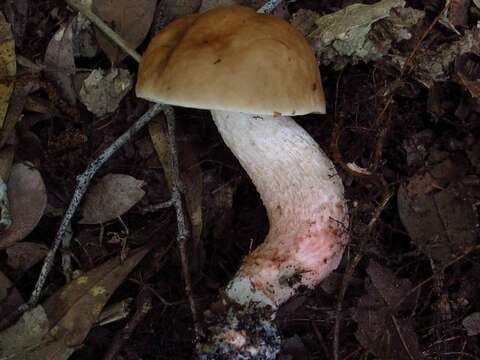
[231, 58]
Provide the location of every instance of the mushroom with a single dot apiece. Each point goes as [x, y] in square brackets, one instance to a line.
[254, 71]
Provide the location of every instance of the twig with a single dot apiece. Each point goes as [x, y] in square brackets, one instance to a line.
[269, 6]
[103, 27]
[144, 306]
[82, 185]
[156, 207]
[183, 232]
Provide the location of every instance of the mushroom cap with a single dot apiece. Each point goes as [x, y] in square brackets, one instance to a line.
[231, 58]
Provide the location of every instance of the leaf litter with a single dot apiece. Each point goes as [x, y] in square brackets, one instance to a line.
[56, 328]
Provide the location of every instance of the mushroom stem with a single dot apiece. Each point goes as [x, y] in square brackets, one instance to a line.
[303, 195]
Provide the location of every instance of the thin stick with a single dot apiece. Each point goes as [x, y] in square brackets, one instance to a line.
[103, 27]
[183, 232]
[82, 185]
[269, 6]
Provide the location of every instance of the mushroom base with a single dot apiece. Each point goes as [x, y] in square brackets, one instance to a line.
[238, 333]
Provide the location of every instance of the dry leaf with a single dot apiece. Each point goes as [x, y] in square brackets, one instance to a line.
[101, 91]
[28, 199]
[471, 323]
[111, 197]
[467, 73]
[59, 61]
[8, 66]
[433, 64]
[381, 332]
[352, 34]
[17, 12]
[23, 340]
[130, 19]
[440, 222]
[57, 328]
[190, 173]
[24, 255]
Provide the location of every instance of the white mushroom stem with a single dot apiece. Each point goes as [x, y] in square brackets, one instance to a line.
[304, 198]
[303, 195]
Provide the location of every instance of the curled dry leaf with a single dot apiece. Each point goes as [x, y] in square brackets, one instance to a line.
[358, 32]
[58, 327]
[59, 61]
[28, 199]
[101, 91]
[24, 255]
[111, 197]
[380, 331]
[130, 19]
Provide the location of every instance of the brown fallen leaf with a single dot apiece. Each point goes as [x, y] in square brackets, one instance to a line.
[17, 13]
[130, 19]
[101, 91]
[380, 331]
[111, 197]
[57, 328]
[471, 323]
[22, 256]
[190, 173]
[59, 61]
[28, 199]
[437, 209]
